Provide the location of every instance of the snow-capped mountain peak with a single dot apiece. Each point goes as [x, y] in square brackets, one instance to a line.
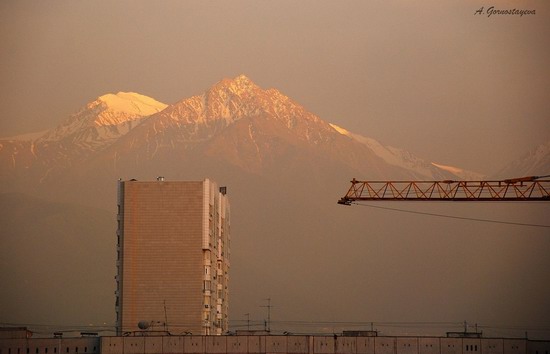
[225, 103]
[106, 118]
[239, 85]
[132, 103]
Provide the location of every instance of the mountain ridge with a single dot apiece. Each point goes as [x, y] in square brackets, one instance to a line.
[535, 162]
[267, 119]
[130, 126]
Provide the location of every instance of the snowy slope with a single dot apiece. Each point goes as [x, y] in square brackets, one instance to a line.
[402, 158]
[105, 119]
[461, 173]
[229, 101]
[535, 162]
[131, 103]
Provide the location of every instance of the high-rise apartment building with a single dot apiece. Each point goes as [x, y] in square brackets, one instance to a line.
[173, 257]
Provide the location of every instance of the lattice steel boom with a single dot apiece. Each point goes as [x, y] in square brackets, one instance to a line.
[516, 189]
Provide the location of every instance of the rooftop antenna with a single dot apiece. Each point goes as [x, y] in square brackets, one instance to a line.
[268, 324]
[165, 318]
[247, 321]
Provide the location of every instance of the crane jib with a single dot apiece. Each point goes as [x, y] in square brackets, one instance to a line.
[517, 189]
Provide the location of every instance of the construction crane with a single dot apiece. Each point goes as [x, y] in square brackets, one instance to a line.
[533, 188]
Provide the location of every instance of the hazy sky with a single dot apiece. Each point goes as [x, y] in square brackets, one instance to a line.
[428, 76]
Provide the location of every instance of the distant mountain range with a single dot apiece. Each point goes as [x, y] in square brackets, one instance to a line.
[284, 167]
[235, 120]
[535, 162]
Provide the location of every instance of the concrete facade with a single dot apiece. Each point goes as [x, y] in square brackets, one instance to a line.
[172, 257]
[51, 346]
[272, 344]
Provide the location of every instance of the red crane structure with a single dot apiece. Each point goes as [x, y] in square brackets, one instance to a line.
[533, 188]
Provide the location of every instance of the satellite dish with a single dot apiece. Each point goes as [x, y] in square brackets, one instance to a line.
[143, 324]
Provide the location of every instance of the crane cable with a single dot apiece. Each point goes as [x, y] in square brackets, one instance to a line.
[452, 216]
